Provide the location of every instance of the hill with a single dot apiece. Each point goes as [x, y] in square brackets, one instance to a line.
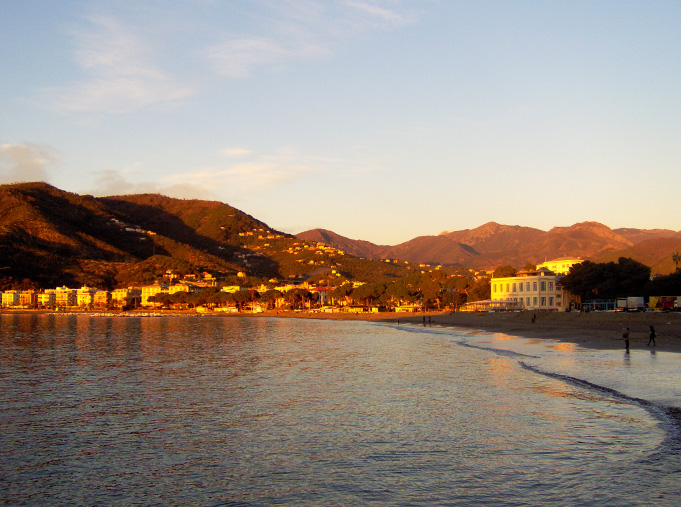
[354, 247]
[492, 245]
[49, 237]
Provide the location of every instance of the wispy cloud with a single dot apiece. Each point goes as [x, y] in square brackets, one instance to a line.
[377, 15]
[303, 30]
[259, 175]
[121, 75]
[238, 56]
[25, 162]
[231, 180]
[110, 182]
[235, 152]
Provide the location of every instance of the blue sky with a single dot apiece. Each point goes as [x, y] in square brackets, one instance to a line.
[378, 119]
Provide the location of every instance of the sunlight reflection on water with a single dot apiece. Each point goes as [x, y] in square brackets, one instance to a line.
[282, 411]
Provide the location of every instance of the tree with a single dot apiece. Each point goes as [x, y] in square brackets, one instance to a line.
[676, 258]
[431, 292]
[241, 297]
[480, 290]
[368, 293]
[297, 297]
[270, 297]
[609, 280]
[342, 292]
[504, 271]
[665, 285]
[404, 290]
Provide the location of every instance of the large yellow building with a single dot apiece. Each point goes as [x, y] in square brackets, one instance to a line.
[125, 297]
[532, 290]
[153, 290]
[560, 266]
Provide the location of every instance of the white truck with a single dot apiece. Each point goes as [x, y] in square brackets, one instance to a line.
[631, 304]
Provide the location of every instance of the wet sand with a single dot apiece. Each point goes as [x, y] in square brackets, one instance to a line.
[602, 330]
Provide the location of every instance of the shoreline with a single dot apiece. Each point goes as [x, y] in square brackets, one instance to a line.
[598, 330]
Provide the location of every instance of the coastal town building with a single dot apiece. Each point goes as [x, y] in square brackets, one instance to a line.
[47, 299]
[102, 299]
[531, 290]
[128, 297]
[10, 298]
[152, 290]
[85, 296]
[232, 288]
[65, 297]
[27, 298]
[182, 287]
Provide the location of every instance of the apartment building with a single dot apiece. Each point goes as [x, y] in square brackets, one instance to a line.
[532, 290]
[152, 290]
[121, 298]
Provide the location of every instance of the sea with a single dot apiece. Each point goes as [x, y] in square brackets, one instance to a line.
[238, 411]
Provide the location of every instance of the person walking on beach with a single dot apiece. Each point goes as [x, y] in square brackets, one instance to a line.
[652, 336]
[625, 337]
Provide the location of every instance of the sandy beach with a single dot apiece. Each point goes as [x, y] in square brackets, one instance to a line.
[602, 330]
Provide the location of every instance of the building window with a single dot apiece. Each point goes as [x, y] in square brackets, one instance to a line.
[550, 285]
[514, 287]
[507, 287]
[543, 301]
[534, 286]
[494, 287]
[534, 301]
[527, 286]
[520, 286]
[528, 301]
[542, 285]
[550, 301]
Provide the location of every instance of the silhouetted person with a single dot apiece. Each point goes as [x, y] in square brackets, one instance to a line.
[652, 335]
[625, 337]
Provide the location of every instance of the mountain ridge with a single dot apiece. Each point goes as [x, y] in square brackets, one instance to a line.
[52, 237]
[492, 244]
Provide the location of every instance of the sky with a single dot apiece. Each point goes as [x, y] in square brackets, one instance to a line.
[380, 120]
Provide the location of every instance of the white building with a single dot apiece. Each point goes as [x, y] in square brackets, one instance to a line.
[532, 290]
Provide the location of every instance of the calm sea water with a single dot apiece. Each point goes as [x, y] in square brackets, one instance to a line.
[257, 411]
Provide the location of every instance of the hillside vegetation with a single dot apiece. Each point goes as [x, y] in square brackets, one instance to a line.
[50, 237]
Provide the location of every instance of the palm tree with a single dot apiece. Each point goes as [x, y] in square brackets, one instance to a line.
[676, 258]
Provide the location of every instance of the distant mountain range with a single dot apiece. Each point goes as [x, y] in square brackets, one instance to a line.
[51, 237]
[492, 245]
